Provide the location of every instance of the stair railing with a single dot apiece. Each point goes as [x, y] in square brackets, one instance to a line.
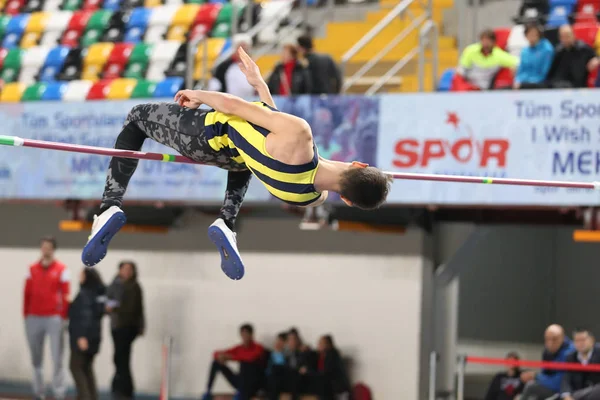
[428, 37]
[399, 11]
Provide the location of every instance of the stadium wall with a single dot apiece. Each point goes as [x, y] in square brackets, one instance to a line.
[294, 278]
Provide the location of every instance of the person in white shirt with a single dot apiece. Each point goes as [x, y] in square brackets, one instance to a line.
[227, 75]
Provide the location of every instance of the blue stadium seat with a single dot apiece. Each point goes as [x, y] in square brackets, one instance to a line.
[445, 83]
[168, 87]
[54, 91]
[137, 24]
[559, 15]
[568, 3]
[112, 5]
[54, 63]
[226, 46]
[14, 31]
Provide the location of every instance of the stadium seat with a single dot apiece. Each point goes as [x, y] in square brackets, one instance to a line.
[178, 66]
[120, 89]
[159, 22]
[54, 63]
[91, 5]
[11, 65]
[143, 90]
[115, 31]
[3, 23]
[586, 33]
[168, 87]
[75, 29]
[14, 30]
[112, 5]
[71, 5]
[77, 90]
[72, 66]
[587, 12]
[131, 4]
[138, 61]
[54, 91]
[273, 12]
[33, 6]
[592, 76]
[137, 24]
[13, 7]
[56, 25]
[206, 18]
[504, 79]
[34, 92]
[445, 83]
[117, 60]
[161, 57]
[32, 61]
[517, 40]
[502, 37]
[182, 20]
[95, 27]
[152, 3]
[99, 90]
[3, 53]
[95, 59]
[51, 5]
[12, 92]
[559, 15]
[567, 3]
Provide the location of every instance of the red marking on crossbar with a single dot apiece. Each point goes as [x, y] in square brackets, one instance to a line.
[534, 364]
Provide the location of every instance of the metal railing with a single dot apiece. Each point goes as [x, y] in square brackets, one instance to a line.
[428, 36]
[399, 11]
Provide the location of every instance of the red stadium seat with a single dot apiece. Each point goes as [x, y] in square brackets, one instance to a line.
[79, 20]
[71, 38]
[91, 5]
[99, 90]
[592, 78]
[586, 13]
[13, 7]
[504, 78]
[3, 53]
[586, 33]
[207, 15]
[117, 60]
[502, 37]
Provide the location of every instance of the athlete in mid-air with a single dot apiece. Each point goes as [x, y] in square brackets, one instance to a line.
[245, 138]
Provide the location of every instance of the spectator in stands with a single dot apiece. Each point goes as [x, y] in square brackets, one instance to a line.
[331, 376]
[506, 385]
[480, 62]
[535, 59]
[227, 76]
[125, 305]
[45, 307]
[544, 384]
[277, 368]
[325, 76]
[582, 385]
[290, 76]
[250, 355]
[573, 61]
[300, 361]
[85, 325]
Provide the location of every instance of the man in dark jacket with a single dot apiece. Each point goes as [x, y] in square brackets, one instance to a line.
[546, 383]
[85, 325]
[577, 385]
[325, 75]
[290, 76]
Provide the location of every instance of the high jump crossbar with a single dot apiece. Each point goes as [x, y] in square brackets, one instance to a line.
[140, 155]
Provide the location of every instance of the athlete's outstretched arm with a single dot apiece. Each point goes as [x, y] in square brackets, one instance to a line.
[277, 123]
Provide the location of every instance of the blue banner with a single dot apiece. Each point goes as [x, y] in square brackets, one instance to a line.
[345, 129]
[549, 135]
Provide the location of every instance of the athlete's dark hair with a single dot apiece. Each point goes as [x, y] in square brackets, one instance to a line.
[247, 328]
[365, 188]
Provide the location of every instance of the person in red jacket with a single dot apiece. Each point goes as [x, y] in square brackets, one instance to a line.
[45, 308]
[250, 355]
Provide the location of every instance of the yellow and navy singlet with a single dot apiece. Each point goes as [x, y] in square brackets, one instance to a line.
[245, 143]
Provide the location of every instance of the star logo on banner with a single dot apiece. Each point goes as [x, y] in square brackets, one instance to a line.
[453, 119]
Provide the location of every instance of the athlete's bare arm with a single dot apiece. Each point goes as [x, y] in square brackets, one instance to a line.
[254, 77]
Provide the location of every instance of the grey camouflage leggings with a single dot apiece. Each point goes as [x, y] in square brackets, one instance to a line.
[182, 129]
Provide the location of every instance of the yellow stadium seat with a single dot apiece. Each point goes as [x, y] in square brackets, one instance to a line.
[98, 54]
[199, 71]
[91, 72]
[597, 42]
[185, 15]
[12, 92]
[121, 88]
[2, 4]
[29, 40]
[37, 22]
[177, 33]
[152, 3]
[215, 45]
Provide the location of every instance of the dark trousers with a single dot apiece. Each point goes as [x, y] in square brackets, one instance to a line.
[535, 391]
[277, 381]
[246, 382]
[527, 85]
[83, 375]
[122, 383]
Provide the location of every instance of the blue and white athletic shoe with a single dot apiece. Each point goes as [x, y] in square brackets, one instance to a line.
[224, 239]
[105, 226]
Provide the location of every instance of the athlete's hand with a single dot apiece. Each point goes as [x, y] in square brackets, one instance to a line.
[188, 98]
[249, 68]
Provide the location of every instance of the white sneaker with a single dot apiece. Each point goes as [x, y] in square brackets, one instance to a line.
[225, 240]
[105, 226]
